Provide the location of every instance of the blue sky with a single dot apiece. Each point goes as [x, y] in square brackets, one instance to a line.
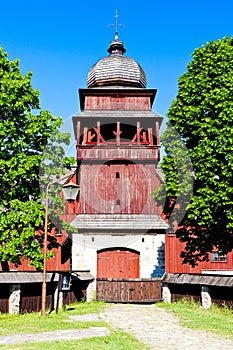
[60, 40]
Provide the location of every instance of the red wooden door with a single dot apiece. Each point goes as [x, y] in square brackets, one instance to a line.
[118, 263]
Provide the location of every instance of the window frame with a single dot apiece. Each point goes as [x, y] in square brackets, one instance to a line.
[217, 258]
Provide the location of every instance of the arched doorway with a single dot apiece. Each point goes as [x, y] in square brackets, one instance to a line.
[118, 263]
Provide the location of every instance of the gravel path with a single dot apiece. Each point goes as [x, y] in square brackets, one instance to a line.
[159, 329]
[155, 327]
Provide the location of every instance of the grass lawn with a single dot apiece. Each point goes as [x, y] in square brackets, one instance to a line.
[34, 323]
[193, 315]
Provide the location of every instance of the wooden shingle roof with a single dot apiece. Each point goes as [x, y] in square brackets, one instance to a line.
[119, 222]
[15, 277]
[90, 113]
[116, 69]
[200, 279]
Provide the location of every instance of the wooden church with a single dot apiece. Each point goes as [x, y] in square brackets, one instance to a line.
[120, 230]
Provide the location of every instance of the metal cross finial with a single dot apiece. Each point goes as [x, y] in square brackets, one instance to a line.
[116, 25]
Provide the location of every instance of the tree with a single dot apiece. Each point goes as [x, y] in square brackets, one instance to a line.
[24, 133]
[202, 114]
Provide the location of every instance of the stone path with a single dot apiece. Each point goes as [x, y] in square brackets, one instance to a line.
[155, 327]
[71, 334]
[161, 330]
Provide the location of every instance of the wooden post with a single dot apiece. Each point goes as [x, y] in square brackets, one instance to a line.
[78, 133]
[43, 297]
[85, 136]
[78, 138]
[58, 292]
[98, 133]
[157, 133]
[150, 136]
[138, 133]
[118, 134]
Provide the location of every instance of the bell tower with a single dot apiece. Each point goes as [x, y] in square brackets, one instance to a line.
[118, 150]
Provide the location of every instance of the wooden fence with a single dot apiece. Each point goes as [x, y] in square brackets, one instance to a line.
[30, 296]
[130, 290]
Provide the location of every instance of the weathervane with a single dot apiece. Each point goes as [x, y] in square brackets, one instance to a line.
[116, 25]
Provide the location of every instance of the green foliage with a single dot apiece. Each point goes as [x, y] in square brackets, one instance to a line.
[178, 177]
[93, 307]
[25, 133]
[202, 114]
[191, 314]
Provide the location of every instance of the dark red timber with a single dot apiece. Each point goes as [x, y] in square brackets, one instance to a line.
[118, 263]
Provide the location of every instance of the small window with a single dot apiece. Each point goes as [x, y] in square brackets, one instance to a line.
[118, 202]
[214, 257]
[117, 175]
[218, 258]
[58, 232]
[223, 258]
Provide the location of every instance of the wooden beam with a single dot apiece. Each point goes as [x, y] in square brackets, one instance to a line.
[85, 130]
[78, 132]
[157, 133]
[138, 133]
[143, 137]
[150, 136]
[90, 136]
[101, 139]
[98, 133]
[118, 133]
[78, 137]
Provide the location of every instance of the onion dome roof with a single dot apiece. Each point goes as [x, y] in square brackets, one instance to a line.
[116, 69]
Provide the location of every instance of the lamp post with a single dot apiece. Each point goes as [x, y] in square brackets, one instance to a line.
[70, 192]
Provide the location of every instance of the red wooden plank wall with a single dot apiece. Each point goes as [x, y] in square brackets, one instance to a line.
[60, 262]
[118, 103]
[117, 188]
[173, 261]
